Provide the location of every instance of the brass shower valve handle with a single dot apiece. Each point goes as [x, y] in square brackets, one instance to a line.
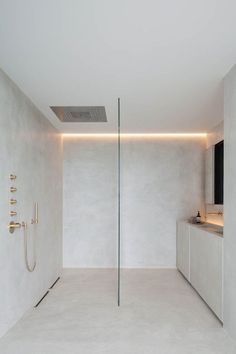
[13, 225]
[13, 201]
[13, 213]
[12, 177]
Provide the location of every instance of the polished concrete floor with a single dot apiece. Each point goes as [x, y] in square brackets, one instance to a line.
[159, 314]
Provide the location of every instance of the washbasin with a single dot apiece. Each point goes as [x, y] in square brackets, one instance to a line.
[212, 228]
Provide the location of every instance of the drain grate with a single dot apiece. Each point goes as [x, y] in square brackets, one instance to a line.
[42, 299]
[54, 283]
[39, 302]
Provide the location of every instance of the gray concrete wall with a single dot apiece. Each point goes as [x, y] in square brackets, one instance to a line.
[162, 180]
[30, 148]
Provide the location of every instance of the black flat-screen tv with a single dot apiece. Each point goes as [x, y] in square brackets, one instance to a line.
[219, 173]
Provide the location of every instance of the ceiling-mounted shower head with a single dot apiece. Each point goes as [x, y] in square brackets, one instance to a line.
[80, 114]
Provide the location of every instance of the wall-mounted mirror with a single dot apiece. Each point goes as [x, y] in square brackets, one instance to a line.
[214, 174]
[219, 173]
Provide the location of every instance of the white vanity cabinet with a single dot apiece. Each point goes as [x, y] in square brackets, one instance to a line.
[182, 246]
[206, 267]
[200, 260]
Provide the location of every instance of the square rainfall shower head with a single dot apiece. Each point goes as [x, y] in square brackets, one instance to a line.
[80, 114]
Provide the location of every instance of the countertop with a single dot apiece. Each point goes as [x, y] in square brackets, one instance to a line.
[212, 228]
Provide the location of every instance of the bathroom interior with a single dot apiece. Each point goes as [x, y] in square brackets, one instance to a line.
[117, 177]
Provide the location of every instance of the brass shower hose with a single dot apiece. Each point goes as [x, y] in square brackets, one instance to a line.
[25, 227]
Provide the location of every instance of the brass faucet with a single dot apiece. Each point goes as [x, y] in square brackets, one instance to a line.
[216, 213]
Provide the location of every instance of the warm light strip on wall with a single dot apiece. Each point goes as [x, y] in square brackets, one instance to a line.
[135, 135]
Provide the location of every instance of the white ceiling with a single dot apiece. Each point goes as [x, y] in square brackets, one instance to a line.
[166, 59]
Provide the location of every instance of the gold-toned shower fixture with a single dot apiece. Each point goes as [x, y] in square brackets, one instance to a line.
[35, 220]
[13, 189]
[13, 225]
[13, 201]
[13, 213]
[12, 177]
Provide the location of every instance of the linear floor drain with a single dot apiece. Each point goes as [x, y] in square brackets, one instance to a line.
[42, 299]
[54, 283]
[38, 303]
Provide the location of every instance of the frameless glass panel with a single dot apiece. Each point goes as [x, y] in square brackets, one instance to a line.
[118, 256]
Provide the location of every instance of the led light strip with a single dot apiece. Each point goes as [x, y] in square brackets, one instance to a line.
[135, 135]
